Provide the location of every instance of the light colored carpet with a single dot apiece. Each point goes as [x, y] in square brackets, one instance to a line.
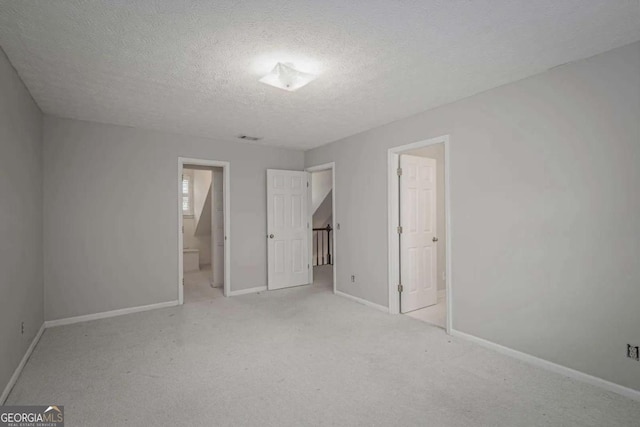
[295, 357]
[198, 287]
[323, 277]
[435, 314]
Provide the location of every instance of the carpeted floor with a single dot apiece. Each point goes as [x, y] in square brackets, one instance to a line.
[198, 286]
[435, 314]
[295, 357]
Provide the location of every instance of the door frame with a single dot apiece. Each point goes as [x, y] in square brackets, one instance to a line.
[334, 258]
[226, 178]
[213, 230]
[393, 220]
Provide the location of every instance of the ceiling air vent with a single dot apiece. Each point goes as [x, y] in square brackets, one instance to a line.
[249, 138]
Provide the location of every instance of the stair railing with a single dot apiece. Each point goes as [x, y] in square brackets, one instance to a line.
[322, 238]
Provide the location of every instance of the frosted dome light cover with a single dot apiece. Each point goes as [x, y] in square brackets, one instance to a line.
[284, 76]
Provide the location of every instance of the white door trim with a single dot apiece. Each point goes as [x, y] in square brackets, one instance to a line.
[214, 252]
[394, 248]
[334, 258]
[226, 177]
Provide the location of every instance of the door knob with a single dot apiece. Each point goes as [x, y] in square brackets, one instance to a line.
[435, 239]
[271, 236]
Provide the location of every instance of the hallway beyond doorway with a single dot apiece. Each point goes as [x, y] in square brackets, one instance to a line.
[323, 277]
[198, 286]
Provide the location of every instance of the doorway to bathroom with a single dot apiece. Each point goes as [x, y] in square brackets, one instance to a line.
[203, 212]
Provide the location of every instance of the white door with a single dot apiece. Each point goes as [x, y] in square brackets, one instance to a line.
[418, 240]
[217, 227]
[287, 233]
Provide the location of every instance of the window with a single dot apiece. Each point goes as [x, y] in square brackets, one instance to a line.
[187, 194]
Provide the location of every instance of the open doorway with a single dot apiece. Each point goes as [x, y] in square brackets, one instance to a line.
[419, 235]
[203, 230]
[322, 239]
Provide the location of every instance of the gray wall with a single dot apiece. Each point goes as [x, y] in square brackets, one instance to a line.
[21, 284]
[545, 202]
[436, 152]
[110, 206]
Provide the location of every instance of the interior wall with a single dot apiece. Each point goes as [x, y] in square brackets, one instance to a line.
[111, 225]
[321, 184]
[321, 197]
[436, 152]
[544, 190]
[21, 284]
[323, 216]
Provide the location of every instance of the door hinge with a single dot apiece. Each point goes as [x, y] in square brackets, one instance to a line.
[400, 230]
[400, 288]
[183, 229]
[399, 171]
[307, 184]
[308, 266]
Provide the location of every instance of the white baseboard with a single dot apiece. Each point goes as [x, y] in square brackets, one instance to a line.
[105, 314]
[18, 371]
[247, 291]
[550, 366]
[364, 302]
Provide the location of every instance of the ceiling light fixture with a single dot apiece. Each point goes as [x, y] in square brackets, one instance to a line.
[285, 76]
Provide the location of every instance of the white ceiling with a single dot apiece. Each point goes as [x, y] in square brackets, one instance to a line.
[192, 67]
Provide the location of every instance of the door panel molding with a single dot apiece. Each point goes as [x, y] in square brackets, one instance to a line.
[287, 233]
[418, 221]
[393, 217]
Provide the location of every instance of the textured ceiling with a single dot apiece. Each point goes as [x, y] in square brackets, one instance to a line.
[192, 67]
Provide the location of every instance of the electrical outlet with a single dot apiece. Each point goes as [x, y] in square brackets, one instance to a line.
[353, 278]
[633, 352]
[22, 328]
